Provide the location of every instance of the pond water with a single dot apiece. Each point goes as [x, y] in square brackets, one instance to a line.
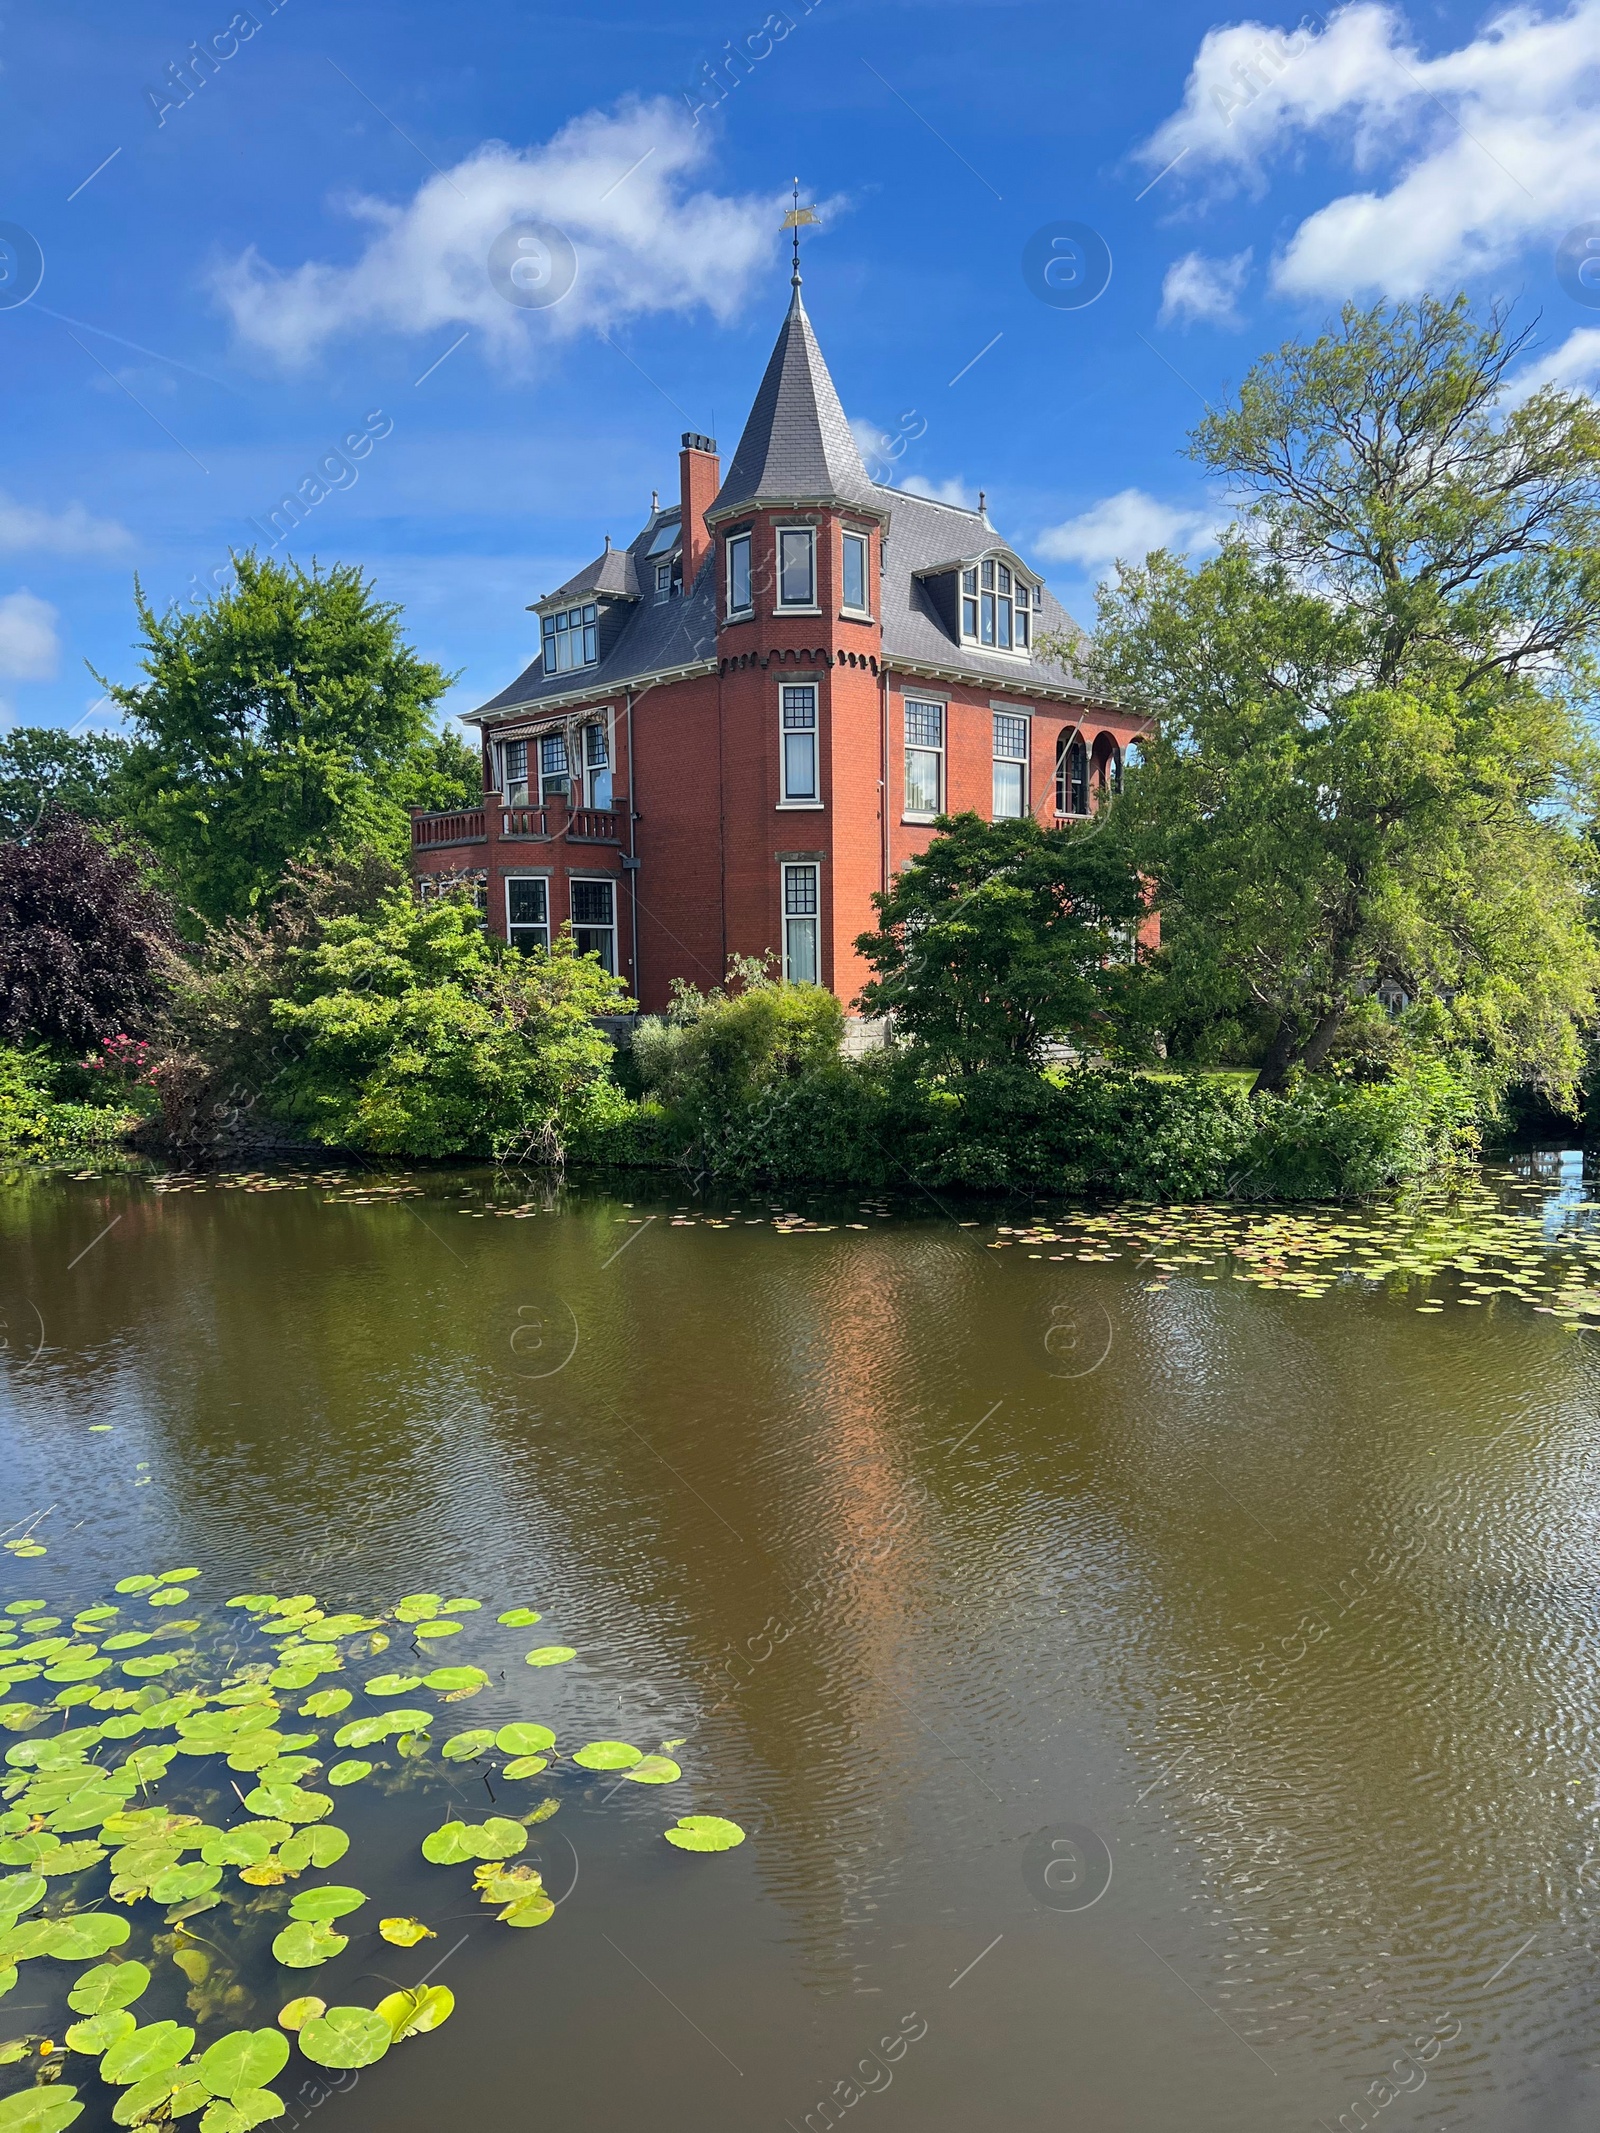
[973, 1557]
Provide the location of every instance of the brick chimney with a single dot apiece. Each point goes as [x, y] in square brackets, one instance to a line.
[700, 477]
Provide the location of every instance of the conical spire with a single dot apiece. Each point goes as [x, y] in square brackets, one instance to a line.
[797, 444]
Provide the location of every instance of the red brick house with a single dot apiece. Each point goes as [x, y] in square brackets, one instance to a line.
[741, 724]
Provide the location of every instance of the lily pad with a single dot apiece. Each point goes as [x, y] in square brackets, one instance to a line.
[178, 1577]
[349, 1773]
[462, 1747]
[298, 2012]
[456, 1680]
[247, 1845]
[306, 1943]
[138, 1584]
[438, 1629]
[520, 1617]
[37, 2110]
[288, 1803]
[149, 2050]
[528, 1910]
[314, 1847]
[521, 1738]
[244, 2059]
[324, 1903]
[137, 2105]
[551, 1655]
[108, 1986]
[361, 1733]
[418, 1606]
[450, 1845]
[237, 2114]
[654, 1770]
[393, 1684]
[344, 2036]
[405, 1932]
[499, 1838]
[89, 1933]
[526, 1766]
[608, 1755]
[325, 1703]
[181, 1884]
[412, 2014]
[97, 2033]
[169, 1596]
[704, 1833]
[20, 1892]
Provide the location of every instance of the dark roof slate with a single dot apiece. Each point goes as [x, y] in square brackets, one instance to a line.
[797, 441]
[614, 570]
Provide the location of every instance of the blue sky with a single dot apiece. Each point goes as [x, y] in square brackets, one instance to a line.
[298, 252]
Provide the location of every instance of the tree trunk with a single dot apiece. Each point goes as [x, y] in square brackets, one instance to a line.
[1279, 1059]
[1321, 1038]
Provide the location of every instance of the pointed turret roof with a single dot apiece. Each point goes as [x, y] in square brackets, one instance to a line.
[797, 443]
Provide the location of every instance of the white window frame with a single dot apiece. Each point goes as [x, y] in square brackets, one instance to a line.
[923, 748]
[1008, 762]
[534, 926]
[735, 543]
[594, 772]
[558, 631]
[980, 589]
[663, 582]
[513, 788]
[864, 542]
[554, 778]
[809, 694]
[580, 880]
[807, 606]
[801, 881]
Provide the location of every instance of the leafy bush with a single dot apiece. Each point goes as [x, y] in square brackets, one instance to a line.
[713, 1052]
[413, 1033]
[34, 1122]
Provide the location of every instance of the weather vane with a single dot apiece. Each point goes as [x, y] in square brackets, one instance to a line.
[796, 220]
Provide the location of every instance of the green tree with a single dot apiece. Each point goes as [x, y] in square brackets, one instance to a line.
[1000, 936]
[288, 719]
[411, 1032]
[1368, 758]
[44, 768]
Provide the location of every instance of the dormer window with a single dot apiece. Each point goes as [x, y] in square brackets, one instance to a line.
[996, 606]
[663, 583]
[571, 639]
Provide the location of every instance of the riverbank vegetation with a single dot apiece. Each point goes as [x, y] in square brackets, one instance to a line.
[1361, 826]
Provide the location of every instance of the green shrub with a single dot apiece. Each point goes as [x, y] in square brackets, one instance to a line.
[712, 1052]
[34, 1122]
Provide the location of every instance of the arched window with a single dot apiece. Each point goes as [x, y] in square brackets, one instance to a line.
[1107, 766]
[1072, 775]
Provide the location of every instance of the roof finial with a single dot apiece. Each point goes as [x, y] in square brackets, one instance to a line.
[795, 220]
[983, 503]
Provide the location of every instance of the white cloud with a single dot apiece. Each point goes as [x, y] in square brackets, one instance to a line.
[29, 646]
[1574, 366]
[69, 532]
[620, 184]
[1124, 528]
[953, 491]
[1492, 146]
[1198, 288]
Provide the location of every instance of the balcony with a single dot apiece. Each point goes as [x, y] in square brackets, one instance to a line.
[549, 822]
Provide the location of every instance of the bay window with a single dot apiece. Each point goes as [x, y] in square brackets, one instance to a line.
[854, 588]
[797, 566]
[798, 742]
[739, 602]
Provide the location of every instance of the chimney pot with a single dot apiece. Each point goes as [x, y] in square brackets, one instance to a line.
[699, 477]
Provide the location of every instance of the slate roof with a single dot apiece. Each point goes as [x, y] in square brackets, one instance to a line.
[797, 441]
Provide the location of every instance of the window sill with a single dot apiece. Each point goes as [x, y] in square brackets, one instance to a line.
[998, 651]
[802, 806]
[739, 614]
[782, 609]
[920, 821]
[855, 614]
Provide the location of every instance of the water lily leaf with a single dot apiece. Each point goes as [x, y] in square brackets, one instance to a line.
[349, 1773]
[298, 2012]
[137, 2105]
[524, 1739]
[520, 1617]
[449, 1845]
[704, 1833]
[108, 1986]
[528, 1910]
[325, 1703]
[393, 1684]
[306, 1943]
[344, 2036]
[462, 1747]
[294, 1677]
[47, 2110]
[526, 1766]
[237, 2114]
[247, 1845]
[454, 1681]
[287, 1770]
[147, 1668]
[256, 1602]
[181, 1884]
[138, 1584]
[438, 1629]
[332, 1627]
[89, 1933]
[97, 2033]
[151, 2049]
[27, 1850]
[127, 1640]
[8, 1977]
[324, 1903]
[288, 1803]
[412, 2014]
[608, 1755]
[20, 1892]
[551, 1655]
[244, 2059]
[405, 1932]
[361, 1733]
[177, 1577]
[418, 1606]
[168, 1596]
[314, 1847]
[654, 1770]
[499, 1838]
[408, 1721]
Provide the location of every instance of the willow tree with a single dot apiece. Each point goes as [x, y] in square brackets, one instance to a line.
[1369, 758]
